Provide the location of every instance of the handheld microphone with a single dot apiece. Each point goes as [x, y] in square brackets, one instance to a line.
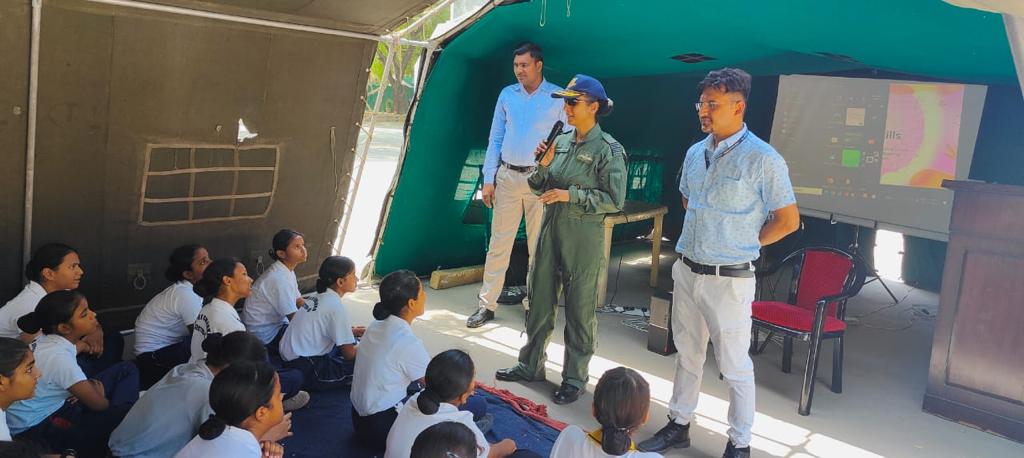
[555, 130]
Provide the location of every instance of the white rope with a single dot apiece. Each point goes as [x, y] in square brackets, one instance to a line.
[543, 12]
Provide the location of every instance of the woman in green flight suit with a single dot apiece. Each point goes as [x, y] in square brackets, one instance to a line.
[580, 179]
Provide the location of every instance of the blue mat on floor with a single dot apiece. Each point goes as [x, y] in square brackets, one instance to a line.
[324, 428]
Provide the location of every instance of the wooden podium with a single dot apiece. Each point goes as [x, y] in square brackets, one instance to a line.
[976, 374]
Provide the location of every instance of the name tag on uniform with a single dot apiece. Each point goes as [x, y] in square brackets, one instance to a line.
[585, 158]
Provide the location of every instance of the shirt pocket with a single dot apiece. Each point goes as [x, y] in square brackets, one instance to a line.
[731, 193]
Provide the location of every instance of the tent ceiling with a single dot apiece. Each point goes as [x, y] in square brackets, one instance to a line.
[613, 38]
[375, 17]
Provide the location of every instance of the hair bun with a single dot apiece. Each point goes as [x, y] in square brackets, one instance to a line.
[380, 312]
[213, 342]
[29, 323]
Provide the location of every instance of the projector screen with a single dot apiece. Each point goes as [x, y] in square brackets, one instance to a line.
[874, 152]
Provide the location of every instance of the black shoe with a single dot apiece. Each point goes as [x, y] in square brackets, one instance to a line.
[512, 374]
[567, 394]
[673, 435]
[478, 319]
[512, 295]
[731, 451]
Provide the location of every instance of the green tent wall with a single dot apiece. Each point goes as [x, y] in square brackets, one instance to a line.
[628, 45]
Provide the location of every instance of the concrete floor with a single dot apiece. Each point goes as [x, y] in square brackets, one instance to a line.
[878, 414]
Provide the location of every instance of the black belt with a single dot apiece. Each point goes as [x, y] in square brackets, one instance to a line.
[519, 168]
[732, 270]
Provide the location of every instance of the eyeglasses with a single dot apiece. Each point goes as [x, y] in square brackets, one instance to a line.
[711, 104]
[573, 102]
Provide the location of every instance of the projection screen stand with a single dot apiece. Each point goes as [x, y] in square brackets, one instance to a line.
[872, 273]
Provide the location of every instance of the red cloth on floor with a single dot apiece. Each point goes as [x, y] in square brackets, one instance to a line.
[524, 406]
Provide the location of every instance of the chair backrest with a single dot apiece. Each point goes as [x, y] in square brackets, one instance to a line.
[824, 272]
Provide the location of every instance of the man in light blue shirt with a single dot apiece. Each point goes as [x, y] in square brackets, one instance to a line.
[737, 195]
[523, 116]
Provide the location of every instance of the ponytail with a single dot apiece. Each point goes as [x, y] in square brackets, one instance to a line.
[449, 375]
[396, 290]
[212, 428]
[428, 401]
[333, 268]
[621, 402]
[213, 278]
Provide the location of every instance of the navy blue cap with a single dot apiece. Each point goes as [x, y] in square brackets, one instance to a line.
[582, 85]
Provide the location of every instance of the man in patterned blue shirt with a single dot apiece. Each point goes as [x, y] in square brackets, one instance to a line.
[738, 198]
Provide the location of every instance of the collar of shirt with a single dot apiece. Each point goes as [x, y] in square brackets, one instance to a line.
[36, 288]
[334, 294]
[57, 341]
[727, 142]
[544, 88]
[594, 134]
[398, 324]
[220, 303]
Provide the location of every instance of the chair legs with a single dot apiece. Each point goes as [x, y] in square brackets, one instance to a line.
[787, 354]
[837, 365]
[811, 370]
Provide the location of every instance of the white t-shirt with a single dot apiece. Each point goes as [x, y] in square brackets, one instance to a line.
[390, 358]
[5, 434]
[166, 318]
[233, 442]
[272, 300]
[168, 416]
[217, 316]
[25, 302]
[411, 422]
[55, 359]
[573, 442]
[319, 326]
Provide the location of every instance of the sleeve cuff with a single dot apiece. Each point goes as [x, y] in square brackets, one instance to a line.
[575, 194]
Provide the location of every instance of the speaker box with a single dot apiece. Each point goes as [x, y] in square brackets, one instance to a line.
[659, 332]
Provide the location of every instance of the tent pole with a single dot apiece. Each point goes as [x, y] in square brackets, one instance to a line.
[249, 20]
[30, 140]
[364, 150]
[1015, 35]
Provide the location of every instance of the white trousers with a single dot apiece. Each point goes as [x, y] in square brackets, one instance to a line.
[513, 199]
[709, 307]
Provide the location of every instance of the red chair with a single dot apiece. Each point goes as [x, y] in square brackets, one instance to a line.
[823, 279]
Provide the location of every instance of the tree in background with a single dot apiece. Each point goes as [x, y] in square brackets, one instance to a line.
[402, 75]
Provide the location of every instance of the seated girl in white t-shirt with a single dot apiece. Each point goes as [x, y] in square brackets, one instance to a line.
[622, 401]
[246, 401]
[390, 358]
[225, 282]
[320, 341]
[70, 410]
[275, 295]
[55, 267]
[163, 330]
[449, 384]
[18, 376]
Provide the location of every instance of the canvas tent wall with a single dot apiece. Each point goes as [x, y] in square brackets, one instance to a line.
[138, 116]
[629, 45]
